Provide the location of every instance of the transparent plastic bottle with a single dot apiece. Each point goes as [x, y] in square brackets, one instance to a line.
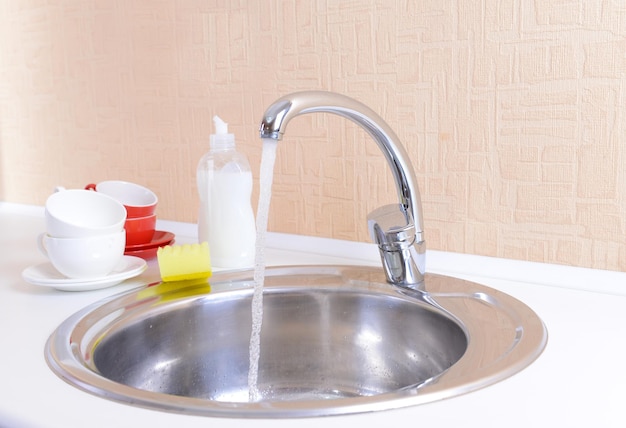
[226, 219]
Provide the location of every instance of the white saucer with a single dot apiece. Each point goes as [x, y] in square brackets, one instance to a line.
[46, 275]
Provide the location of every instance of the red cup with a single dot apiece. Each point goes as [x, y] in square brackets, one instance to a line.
[140, 230]
[139, 201]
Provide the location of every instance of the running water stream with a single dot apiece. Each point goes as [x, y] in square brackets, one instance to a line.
[265, 184]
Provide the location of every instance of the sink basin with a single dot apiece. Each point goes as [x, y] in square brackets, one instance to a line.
[335, 340]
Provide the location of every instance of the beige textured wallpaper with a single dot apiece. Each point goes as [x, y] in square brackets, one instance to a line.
[513, 111]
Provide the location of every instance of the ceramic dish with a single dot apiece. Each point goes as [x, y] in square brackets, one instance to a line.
[149, 250]
[159, 239]
[146, 253]
[46, 275]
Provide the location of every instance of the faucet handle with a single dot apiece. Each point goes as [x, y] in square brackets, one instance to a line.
[402, 249]
[389, 225]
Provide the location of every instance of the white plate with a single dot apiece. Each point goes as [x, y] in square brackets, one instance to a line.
[47, 276]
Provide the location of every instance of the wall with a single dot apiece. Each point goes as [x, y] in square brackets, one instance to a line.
[512, 111]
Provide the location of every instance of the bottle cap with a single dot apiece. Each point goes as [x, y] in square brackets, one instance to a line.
[221, 139]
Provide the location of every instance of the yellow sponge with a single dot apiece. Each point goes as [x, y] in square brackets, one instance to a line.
[182, 262]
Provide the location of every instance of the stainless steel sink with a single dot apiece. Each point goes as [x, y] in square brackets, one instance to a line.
[335, 340]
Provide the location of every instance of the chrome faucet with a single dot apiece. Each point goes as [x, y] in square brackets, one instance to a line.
[397, 228]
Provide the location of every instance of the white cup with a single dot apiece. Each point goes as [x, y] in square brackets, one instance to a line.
[138, 200]
[87, 258]
[79, 213]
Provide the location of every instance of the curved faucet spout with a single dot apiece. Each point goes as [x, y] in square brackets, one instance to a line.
[397, 229]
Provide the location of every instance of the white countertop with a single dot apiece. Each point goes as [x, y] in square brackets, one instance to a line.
[578, 381]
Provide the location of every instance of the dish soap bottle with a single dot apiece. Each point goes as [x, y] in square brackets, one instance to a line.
[226, 220]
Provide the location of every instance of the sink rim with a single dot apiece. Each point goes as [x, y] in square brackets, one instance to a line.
[470, 373]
